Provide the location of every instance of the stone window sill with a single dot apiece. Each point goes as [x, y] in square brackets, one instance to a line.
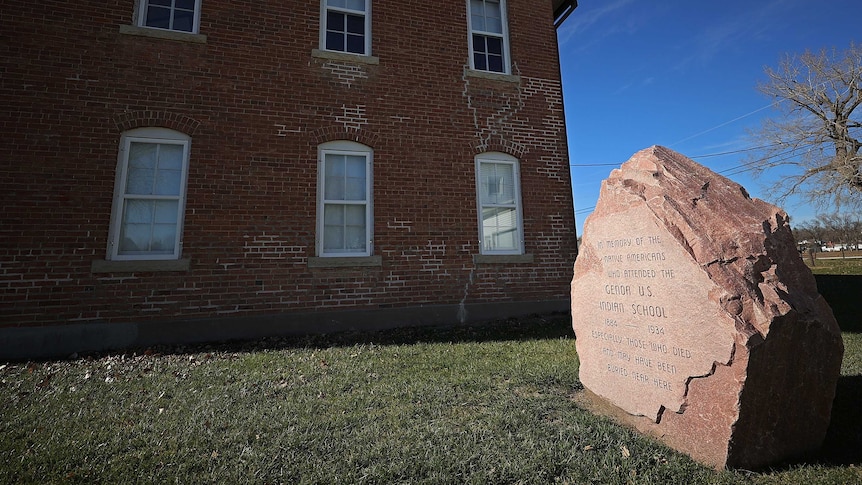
[163, 34]
[150, 266]
[349, 262]
[494, 76]
[502, 258]
[342, 56]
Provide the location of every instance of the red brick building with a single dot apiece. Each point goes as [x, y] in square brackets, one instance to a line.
[192, 170]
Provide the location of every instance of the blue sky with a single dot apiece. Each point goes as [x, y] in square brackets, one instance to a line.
[682, 74]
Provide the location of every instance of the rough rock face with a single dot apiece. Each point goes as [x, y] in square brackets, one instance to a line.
[695, 315]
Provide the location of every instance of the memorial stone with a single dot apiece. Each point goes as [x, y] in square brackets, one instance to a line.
[696, 317]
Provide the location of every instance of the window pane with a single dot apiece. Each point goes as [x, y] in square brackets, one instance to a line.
[149, 226]
[335, 41]
[134, 238]
[355, 178]
[355, 165]
[139, 181]
[493, 19]
[333, 215]
[356, 44]
[355, 242]
[486, 16]
[336, 3]
[138, 211]
[477, 15]
[166, 211]
[479, 59]
[479, 44]
[183, 20]
[497, 183]
[355, 24]
[344, 228]
[488, 184]
[154, 169]
[333, 227]
[164, 238]
[492, 8]
[333, 238]
[355, 228]
[355, 4]
[136, 230]
[499, 228]
[142, 155]
[164, 3]
[185, 4]
[477, 8]
[335, 166]
[170, 157]
[495, 45]
[335, 21]
[478, 23]
[501, 217]
[495, 63]
[333, 177]
[158, 17]
[167, 182]
[355, 215]
[479, 62]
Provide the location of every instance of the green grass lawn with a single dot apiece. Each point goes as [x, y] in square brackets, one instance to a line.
[468, 405]
[835, 265]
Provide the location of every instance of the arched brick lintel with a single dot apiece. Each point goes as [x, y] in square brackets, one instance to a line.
[146, 118]
[333, 133]
[502, 145]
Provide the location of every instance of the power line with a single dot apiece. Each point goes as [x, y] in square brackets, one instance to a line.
[770, 105]
[708, 155]
[594, 164]
[750, 113]
[748, 166]
[790, 154]
[741, 150]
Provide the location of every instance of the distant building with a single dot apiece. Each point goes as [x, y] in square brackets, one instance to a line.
[194, 170]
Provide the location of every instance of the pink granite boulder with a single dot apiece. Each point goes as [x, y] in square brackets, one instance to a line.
[695, 315]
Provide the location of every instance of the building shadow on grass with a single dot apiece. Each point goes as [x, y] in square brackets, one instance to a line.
[843, 444]
[842, 293]
[534, 327]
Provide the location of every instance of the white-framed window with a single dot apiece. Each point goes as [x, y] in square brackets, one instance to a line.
[344, 207]
[499, 196]
[149, 195]
[345, 26]
[489, 37]
[176, 15]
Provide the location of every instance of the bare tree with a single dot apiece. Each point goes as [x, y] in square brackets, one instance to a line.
[817, 135]
[810, 233]
[843, 229]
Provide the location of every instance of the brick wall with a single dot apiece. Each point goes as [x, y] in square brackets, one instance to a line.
[256, 104]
